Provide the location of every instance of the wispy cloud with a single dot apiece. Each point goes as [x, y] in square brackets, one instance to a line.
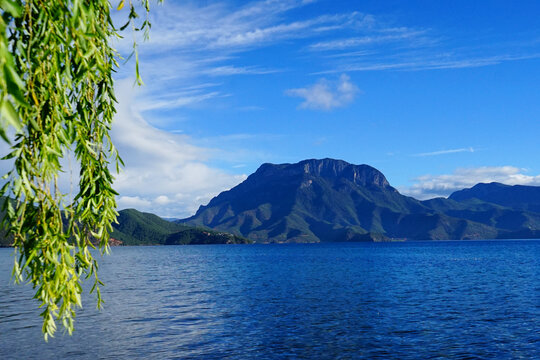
[341, 44]
[177, 101]
[430, 186]
[227, 70]
[445, 152]
[224, 27]
[425, 63]
[325, 94]
[191, 40]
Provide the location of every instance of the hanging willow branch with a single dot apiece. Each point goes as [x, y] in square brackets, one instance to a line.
[56, 91]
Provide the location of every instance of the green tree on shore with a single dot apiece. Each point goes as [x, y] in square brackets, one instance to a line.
[57, 98]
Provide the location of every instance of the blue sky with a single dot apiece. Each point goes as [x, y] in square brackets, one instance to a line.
[438, 95]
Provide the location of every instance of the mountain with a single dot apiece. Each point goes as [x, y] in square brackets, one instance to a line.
[332, 200]
[516, 197]
[505, 219]
[138, 228]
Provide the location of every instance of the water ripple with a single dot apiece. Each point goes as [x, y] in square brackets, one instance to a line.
[428, 300]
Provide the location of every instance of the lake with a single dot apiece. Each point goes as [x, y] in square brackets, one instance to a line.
[413, 300]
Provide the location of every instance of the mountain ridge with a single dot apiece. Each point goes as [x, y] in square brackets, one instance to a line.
[332, 200]
[515, 196]
[139, 228]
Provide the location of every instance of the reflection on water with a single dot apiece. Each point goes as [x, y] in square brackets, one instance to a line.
[328, 301]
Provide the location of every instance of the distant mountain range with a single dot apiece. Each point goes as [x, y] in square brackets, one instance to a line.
[138, 228]
[516, 197]
[331, 200]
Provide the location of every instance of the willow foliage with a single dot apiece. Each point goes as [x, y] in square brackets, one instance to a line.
[56, 91]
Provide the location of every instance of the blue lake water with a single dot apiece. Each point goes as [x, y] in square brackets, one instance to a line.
[415, 300]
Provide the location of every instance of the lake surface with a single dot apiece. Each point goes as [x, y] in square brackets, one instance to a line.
[415, 300]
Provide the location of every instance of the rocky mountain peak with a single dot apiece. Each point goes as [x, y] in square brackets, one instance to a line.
[364, 175]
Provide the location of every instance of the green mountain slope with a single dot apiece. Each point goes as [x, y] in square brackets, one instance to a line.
[505, 219]
[138, 228]
[516, 197]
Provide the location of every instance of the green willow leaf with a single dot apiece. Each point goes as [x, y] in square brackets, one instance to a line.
[12, 7]
[10, 114]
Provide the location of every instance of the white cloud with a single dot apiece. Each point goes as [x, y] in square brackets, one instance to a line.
[164, 173]
[326, 94]
[235, 70]
[162, 200]
[427, 62]
[430, 186]
[128, 202]
[346, 43]
[179, 101]
[445, 152]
